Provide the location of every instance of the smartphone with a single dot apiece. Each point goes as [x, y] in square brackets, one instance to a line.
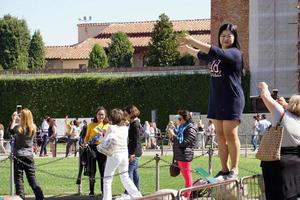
[19, 109]
[99, 130]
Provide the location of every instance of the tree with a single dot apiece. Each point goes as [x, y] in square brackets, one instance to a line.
[120, 51]
[14, 40]
[186, 59]
[98, 57]
[36, 51]
[163, 44]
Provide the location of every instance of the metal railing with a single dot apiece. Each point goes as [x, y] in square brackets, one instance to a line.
[252, 187]
[225, 190]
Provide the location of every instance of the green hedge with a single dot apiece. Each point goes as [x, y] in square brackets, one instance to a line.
[78, 96]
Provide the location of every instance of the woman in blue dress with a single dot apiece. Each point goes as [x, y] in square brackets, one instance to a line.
[226, 98]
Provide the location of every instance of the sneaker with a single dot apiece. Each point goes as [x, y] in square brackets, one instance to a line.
[232, 175]
[221, 176]
[91, 194]
[221, 173]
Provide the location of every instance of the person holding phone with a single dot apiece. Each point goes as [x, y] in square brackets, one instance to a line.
[24, 133]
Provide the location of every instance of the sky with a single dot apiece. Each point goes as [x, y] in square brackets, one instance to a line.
[57, 19]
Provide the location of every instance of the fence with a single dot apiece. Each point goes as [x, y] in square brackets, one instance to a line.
[253, 187]
[225, 190]
[247, 188]
[161, 195]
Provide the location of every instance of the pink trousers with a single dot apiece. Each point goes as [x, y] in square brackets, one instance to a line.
[186, 171]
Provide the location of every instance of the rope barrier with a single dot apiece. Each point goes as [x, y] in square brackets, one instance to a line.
[50, 162]
[72, 178]
[143, 165]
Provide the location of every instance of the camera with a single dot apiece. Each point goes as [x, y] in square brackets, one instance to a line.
[274, 94]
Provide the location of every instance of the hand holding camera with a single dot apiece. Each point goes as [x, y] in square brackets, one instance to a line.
[170, 132]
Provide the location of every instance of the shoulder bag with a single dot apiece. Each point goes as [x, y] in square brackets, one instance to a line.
[269, 148]
[174, 169]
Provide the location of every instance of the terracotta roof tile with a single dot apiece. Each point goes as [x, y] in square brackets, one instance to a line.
[147, 26]
[83, 49]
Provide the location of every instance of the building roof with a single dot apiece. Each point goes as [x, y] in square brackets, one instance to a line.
[147, 26]
[82, 50]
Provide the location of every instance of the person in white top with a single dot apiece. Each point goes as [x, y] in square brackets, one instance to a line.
[119, 158]
[2, 149]
[211, 134]
[263, 125]
[73, 137]
[44, 136]
[254, 135]
[147, 134]
[282, 177]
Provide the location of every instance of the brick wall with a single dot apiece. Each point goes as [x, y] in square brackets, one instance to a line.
[231, 11]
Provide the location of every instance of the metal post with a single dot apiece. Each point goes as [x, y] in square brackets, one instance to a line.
[246, 147]
[210, 154]
[157, 158]
[79, 189]
[12, 192]
[203, 142]
[162, 146]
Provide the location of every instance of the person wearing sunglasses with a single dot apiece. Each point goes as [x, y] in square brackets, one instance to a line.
[183, 139]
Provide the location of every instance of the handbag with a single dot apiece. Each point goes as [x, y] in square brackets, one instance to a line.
[174, 169]
[107, 146]
[269, 148]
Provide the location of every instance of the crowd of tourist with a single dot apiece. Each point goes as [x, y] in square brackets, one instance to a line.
[113, 140]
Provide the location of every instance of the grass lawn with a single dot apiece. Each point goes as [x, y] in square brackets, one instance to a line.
[58, 175]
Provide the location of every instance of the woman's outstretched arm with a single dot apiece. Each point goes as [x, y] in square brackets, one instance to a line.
[189, 40]
[265, 94]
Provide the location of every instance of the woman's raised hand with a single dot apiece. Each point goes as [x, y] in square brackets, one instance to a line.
[262, 86]
[282, 102]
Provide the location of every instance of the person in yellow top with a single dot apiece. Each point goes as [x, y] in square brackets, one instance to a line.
[95, 131]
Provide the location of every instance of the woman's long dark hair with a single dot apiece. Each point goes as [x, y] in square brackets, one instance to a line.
[236, 43]
[105, 121]
[233, 29]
